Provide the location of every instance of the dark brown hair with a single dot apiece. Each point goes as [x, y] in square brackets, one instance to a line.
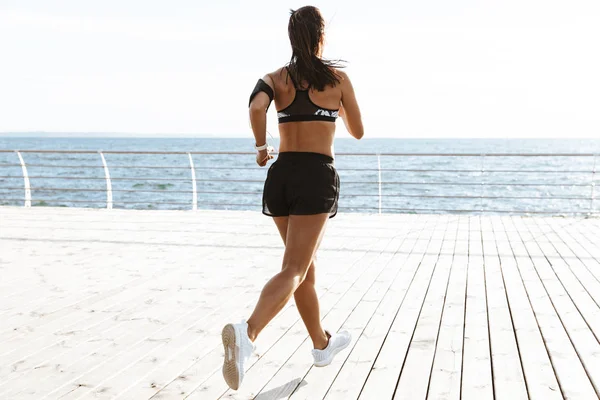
[306, 32]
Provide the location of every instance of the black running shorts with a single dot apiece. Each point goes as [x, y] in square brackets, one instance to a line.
[301, 183]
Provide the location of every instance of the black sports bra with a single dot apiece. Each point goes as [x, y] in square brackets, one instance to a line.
[303, 109]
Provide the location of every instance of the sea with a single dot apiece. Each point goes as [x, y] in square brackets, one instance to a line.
[377, 175]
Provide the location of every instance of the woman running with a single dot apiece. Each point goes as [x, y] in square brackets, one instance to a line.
[302, 186]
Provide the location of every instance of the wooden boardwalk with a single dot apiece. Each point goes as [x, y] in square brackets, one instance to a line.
[130, 305]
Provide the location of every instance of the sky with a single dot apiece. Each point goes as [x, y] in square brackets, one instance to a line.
[428, 68]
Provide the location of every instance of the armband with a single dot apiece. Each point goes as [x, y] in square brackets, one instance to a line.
[261, 86]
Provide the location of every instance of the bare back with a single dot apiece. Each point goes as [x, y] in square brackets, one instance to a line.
[310, 136]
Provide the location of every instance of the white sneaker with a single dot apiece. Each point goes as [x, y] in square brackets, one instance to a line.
[337, 343]
[238, 349]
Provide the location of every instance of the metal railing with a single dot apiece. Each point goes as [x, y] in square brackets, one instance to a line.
[515, 183]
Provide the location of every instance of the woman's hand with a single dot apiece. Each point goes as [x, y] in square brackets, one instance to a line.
[262, 157]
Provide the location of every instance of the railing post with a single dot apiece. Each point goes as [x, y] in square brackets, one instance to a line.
[25, 180]
[109, 198]
[482, 170]
[593, 186]
[379, 178]
[194, 192]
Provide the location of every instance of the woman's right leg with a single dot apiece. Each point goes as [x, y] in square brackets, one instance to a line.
[303, 235]
[305, 296]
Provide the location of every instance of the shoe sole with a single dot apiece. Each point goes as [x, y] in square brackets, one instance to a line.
[328, 361]
[230, 369]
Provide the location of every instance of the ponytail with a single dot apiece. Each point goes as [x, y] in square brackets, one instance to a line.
[305, 30]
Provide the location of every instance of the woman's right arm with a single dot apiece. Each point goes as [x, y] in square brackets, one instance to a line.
[349, 111]
[258, 107]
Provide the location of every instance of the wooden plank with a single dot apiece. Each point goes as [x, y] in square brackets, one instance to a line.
[587, 237]
[381, 382]
[537, 367]
[446, 373]
[355, 370]
[509, 382]
[585, 343]
[573, 254]
[477, 371]
[566, 268]
[570, 373]
[416, 372]
[339, 388]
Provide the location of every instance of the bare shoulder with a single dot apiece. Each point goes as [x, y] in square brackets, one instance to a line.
[275, 77]
[344, 79]
[343, 75]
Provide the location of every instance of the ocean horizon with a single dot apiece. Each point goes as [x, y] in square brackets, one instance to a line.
[553, 185]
